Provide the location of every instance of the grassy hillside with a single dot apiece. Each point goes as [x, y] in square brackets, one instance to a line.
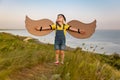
[21, 60]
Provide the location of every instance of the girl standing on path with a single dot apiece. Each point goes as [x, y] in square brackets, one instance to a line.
[60, 36]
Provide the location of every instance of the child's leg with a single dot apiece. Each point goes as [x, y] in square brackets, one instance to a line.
[62, 56]
[57, 55]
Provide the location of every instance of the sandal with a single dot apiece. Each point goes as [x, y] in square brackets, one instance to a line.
[57, 62]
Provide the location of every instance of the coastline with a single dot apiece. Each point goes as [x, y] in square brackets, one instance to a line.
[106, 39]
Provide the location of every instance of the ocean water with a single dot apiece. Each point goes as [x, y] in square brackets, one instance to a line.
[103, 41]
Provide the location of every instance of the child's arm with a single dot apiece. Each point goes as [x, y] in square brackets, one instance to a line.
[43, 28]
[80, 31]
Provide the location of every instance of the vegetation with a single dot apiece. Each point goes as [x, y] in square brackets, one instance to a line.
[32, 60]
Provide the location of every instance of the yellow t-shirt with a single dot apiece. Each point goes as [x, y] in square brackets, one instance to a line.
[66, 26]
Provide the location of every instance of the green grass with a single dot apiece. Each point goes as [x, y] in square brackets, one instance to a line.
[31, 60]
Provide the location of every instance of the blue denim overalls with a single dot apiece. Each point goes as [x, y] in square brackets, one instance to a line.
[60, 39]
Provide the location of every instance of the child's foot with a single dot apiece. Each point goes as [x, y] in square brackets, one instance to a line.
[57, 62]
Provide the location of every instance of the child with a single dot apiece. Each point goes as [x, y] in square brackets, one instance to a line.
[60, 39]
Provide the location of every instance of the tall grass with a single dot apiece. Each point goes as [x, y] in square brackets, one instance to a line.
[82, 65]
[15, 55]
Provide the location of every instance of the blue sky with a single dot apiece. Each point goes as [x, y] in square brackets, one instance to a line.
[106, 12]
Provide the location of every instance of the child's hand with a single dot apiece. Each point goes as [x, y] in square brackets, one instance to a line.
[80, 31]
[38, 28]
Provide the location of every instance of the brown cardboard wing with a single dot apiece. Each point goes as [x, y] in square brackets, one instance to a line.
[31, 26]
[88, 28]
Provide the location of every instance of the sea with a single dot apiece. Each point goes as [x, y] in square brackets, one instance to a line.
[102, 41]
